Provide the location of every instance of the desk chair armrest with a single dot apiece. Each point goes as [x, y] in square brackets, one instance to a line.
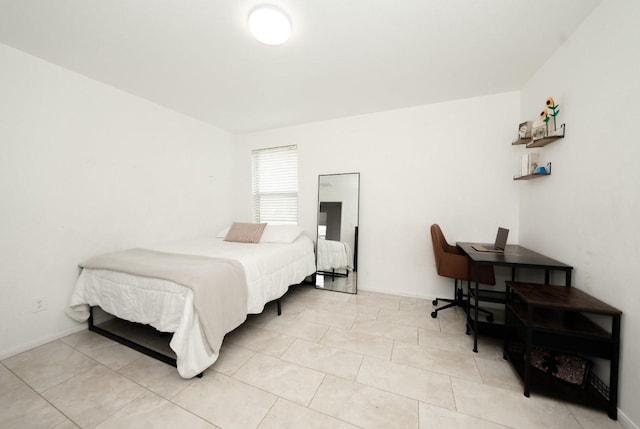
[453, 266]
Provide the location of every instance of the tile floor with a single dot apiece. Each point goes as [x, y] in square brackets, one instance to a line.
[332, 360]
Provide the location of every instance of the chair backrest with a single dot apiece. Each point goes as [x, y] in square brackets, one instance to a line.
[446, 265]
[438, 241]
[452, 263]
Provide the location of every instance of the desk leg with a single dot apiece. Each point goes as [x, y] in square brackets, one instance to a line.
[527, 351]
[475, 314]
[567, 278]
[468, 303]
[614, 371]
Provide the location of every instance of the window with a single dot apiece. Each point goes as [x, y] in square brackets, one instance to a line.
[275, 185]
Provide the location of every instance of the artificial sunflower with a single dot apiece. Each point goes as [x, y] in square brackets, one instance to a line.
[553, 110]
[544, 116]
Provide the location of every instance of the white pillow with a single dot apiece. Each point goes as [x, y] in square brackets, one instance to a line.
[281, 233]
[224, 232]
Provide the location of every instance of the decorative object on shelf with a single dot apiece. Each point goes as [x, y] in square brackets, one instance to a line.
[541, 169]
[524, 133]
[544, 117]
[524, 130]
[539, 131]
[551, 111]
[529, 162]
[554, 108]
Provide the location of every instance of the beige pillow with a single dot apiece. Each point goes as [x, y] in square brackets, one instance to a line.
[245, 232]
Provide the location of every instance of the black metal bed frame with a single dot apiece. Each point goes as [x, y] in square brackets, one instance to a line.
[140, 347]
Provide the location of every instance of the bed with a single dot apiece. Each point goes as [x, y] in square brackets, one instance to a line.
[334, 255]
[246, 276]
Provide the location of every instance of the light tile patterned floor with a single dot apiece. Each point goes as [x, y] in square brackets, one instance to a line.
[332, 360]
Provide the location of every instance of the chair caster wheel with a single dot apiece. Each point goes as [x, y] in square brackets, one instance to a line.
[434, 314]
[434, 302]
[490, 318]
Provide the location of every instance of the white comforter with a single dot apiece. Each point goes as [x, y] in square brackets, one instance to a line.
[270, 268]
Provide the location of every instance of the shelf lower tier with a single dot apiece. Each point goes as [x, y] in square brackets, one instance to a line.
[531, 176]
[486, 295]
[594, 394]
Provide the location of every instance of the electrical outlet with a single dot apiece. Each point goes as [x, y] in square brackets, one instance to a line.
[39, 304]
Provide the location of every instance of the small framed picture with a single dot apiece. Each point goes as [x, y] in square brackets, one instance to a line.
[524, 130]
[539, 132]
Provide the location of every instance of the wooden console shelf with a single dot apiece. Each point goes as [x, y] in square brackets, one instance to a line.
[555, 318]
[531, 142]
[543, 141]
[535, 176]
[538, 141]
[531, 176]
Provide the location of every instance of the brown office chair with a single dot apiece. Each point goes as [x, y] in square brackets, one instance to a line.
[451, 262]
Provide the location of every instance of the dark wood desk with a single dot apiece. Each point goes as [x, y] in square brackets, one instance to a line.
[514, 256]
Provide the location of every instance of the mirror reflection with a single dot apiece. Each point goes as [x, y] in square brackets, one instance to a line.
[337, 241]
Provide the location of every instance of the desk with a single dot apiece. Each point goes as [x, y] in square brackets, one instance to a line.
[514, 256]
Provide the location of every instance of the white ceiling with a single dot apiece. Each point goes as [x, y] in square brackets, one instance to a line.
[345, 57]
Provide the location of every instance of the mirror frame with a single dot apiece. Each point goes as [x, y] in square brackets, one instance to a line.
[353, 272]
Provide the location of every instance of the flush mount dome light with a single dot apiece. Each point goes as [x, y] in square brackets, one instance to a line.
[269, 25]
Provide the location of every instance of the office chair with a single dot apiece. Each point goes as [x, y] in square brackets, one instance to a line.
[451, 262]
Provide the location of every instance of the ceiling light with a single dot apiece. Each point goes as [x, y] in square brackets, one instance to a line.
[269, 25]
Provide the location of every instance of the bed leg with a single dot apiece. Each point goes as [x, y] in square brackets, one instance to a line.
[90, 319]
[279, 308]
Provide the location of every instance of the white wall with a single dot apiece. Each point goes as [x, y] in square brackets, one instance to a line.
[85, 168]
[586, 213]
[449, 163]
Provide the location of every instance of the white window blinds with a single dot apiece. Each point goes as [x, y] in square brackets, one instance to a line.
[275, 185]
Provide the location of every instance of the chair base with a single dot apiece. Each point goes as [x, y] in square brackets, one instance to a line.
[452, 303]
[458, 301]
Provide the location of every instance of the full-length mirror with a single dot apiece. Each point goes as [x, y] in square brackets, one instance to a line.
[337, 243]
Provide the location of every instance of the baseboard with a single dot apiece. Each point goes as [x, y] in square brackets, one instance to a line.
[626, 421]
[398, 293]
[40, 341]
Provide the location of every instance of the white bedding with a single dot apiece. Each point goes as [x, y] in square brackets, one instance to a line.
[270, 268]
[334, 255]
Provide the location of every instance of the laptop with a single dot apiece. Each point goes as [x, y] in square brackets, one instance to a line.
[498, 246]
